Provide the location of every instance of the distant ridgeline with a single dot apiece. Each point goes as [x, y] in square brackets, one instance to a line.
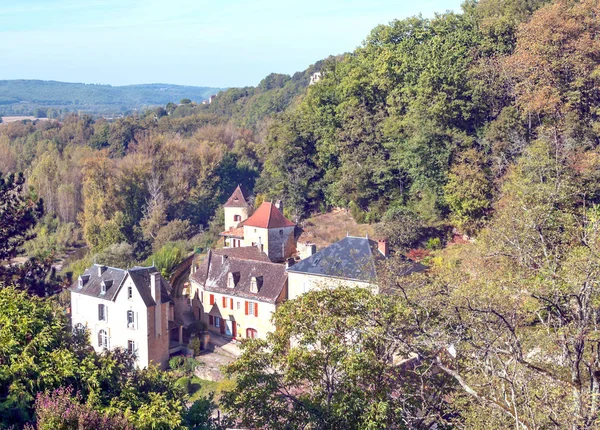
[41, 98]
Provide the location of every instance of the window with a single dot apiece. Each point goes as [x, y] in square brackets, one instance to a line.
[102, 313]
[130, 319]
[239, 305]
[280, 232]
[211, 320]
[103, 288]
[251, 333]
[131, 347]
[80, 283]
[230, 280]
[130, 292]
[103, 339]
[253, 285]
[237, 217]
[79, 329]
[217, 322]
[250, 308]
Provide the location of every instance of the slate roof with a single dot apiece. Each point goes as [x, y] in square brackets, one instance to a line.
[268, 216]
[237, 199]
[114, 279]
[352, 258]
[214, 271]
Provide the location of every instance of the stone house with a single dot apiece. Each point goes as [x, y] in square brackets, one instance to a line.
[131, 309]
[236, 290]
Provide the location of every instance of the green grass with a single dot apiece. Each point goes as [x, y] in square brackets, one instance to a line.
[202, 388]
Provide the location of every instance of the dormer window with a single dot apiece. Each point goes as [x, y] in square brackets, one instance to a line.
[81, 281]
[104, 286]
[255, 284]
[231, 280]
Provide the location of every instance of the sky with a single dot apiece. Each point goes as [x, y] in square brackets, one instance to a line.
[218, 43]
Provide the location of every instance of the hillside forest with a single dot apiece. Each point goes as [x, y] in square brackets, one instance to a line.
[470, 140]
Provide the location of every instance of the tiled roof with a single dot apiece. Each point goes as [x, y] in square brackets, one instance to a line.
[268, 216]
[214, 272]
[114, 278]
[238, 233]
[236, 200]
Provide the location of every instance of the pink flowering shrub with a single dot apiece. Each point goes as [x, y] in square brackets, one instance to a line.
[61, 410]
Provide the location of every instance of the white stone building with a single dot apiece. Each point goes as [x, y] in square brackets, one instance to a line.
[131, 309]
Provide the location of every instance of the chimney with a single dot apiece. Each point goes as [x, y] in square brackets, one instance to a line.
[279, 205]
[101, 269]
[155, 291]
[155, 287]
[383, 246]
[307, 250]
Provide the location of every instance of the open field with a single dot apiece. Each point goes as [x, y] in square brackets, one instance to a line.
[325, 229]
[6, 119]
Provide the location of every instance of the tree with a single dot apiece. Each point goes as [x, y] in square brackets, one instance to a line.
[468, 191]
[556, 64]
[401, 227]
[18, 214]
[331, 364]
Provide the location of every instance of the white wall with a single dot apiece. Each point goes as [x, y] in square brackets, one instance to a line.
[85, 311]
[300, 283]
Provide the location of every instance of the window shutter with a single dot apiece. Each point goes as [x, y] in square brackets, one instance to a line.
[99, 312]
[246, 308]
[255, 309]
[212, 299]
[211, 321]
[224, 301]
[231, 303]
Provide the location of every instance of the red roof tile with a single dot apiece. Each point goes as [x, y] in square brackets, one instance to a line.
[237, 199]
[238, 233]
[268, 216]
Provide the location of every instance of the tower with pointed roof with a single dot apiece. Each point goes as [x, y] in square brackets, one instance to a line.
[236, 210]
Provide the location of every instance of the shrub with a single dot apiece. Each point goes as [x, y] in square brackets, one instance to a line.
[60, 410]
[433, 244]
[197, 327]
[176, 362]
[195, 345]
[185, 383]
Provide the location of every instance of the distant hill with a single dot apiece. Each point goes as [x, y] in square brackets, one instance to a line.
[22, 97]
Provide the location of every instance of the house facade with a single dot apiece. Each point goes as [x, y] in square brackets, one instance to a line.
[352, 261]
[235, 291]
[130, 309]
